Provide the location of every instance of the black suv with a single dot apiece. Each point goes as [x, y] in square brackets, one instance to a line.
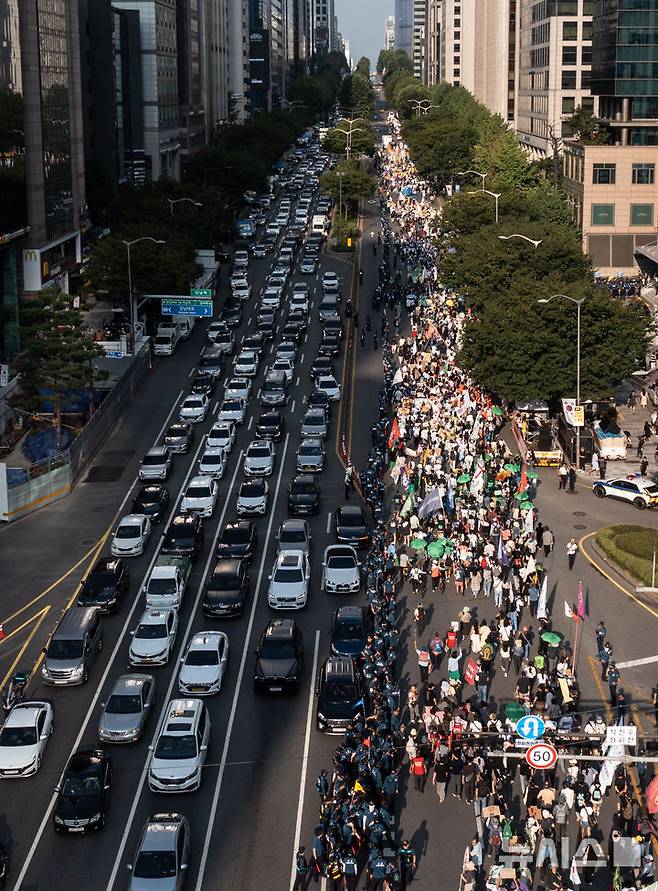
[349, 631]
[227, 589]
[304, 495]
[237, 540]
[279, 658]
[184, 536]
[351, 526]
[105, 585]
[340, 694]
[270, 426]
[151, 500]
[83, 795]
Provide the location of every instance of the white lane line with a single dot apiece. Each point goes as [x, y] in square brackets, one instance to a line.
[328, 522]
[250, 318]
[292, 407]
[236, 695]
[192, 371]
[174, 675]
[307, 744]
[99, 689]
[297, 381]
[301, 361]
[251, 421]
[215, 408]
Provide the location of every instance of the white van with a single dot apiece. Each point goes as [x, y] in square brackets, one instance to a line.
[164, 344]
[320, 223]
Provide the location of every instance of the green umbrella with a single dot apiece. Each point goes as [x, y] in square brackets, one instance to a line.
[514, 711]
[521, 496]
[497, 410]
[418, 544]
[511, 467]
[436, 549]
[532, 474]
[498, 491]
[464, 478]
[552, 638]
[527, 505]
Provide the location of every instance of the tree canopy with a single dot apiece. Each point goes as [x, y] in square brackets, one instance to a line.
[363, 139]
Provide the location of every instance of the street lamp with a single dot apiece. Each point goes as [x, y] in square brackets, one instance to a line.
[482, 176]
[534, 241]
[173, 201]
[348, 134]
[133, 309]
[422, 106]
[579, 303]
[295, 102]
[495, 195]
[340, 175]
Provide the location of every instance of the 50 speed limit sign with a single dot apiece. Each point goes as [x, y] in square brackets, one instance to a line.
[541, 756]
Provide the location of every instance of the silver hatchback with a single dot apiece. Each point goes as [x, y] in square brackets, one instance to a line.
[162, 854]
[127, 709]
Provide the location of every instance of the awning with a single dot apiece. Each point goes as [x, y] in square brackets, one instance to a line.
[647, 252]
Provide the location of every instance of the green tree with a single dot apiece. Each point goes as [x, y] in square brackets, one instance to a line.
[499, 154]
[407, 97]
[57, 353]
[356, 182]
[393, 60]
[396, 80]
[363, 66]
[586, 127]
[440, 147]
[363, 139]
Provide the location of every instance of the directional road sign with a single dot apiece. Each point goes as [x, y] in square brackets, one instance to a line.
[201, 292]
[541, 756]
[191, 307]
[530, 727]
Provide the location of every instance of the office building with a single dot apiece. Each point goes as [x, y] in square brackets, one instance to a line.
[324, 26]
[554, 70]
[215, 65]
[433, 17]
[238, 58]
[190, 46]
[389, 33]
[404, 22]
[418, 38]
[301, 36]
[496, 33]
[457, 52]
[271, 52]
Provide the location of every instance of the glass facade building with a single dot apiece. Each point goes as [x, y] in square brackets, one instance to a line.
[404, 25]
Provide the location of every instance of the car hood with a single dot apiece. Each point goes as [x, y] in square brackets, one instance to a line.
[279, 589]
[117, 723]
[309, 460]
[82, 808]
[258, 463]
[148, 647]
[349, 647]
[219, 597]
[233, 550]
[17, 756]
[198, 674]
[276, 668]
[172, 770]
[303, 497]
[339, 710]
[342, 576]
[137, 884]
[192, 501]
[352, 531]
[250, 502]
[126, 544]
[90, 598]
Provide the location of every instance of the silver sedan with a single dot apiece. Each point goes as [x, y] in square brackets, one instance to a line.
[127, 709]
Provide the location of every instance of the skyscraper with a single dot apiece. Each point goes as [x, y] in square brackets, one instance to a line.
[457, 56]
[433, 42]
[389, 33]
[496, 29]
[324, 26]
[418, 41]
[404, 20]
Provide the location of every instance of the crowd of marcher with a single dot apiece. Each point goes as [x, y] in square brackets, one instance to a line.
[460, 518]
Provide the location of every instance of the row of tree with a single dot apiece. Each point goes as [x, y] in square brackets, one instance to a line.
[520, 348]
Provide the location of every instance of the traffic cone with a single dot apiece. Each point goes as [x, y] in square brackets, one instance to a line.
[3, 633]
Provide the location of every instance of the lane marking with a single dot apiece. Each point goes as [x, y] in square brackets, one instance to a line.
[192, 370]
[292, 407]
[629, 594]
[251, 421]
[328, 530]
[297, 381]
[12, 668]
[236, 695]
[215, 408]
[174, 676]
[307, 744]
[301, 361]
[635, 662]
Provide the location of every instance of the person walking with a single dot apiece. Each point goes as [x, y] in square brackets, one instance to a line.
[548, 541]
[572, 479]
[424, 662]
[440, 777]
[572, 550]
[613, 678]
[302, 871]
[631, 402]
[436, 576]
[595, 464]
[644, 466]
[419, 771]
[603, 466]
[563, 475]
[407, 857]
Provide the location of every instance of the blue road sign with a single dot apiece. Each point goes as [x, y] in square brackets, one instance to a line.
[187, 308]
[530, 727]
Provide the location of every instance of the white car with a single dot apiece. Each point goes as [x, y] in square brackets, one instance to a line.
[232, 410]
[259, 458]
[213, 463]
[340, 570]
[153, 639]
[277, 281]
[273, 229]
[221, 436]
[240, 387]
[239, 277]
[289, 580]
[130, 536]
[242, 290]
[330, 281]
[194, 408]
[215, 329]
[24, 738]
[642, 493]
[287, 349]
[156, 464]
[327, 383]
[180, 751]
[287, 366]
[246, 364]
[299, 302]
[253, 498]
[200, 496]
[204, 663]
[271, 298]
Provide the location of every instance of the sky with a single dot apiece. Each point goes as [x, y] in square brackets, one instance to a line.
[362, 23]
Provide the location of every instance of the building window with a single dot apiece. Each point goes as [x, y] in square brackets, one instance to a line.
[644, 174]
[568, 80]
[604, 174]
[569, 55]
[587, 104]
[568, 104]
[569, 30]
[567, 7]
[603, 215]
[641, 214]
[587, 31]
[586, 55]
[585, 80]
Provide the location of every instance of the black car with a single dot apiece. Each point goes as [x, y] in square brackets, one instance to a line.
[349, 631]
[298, 320]
[340, 694]
[237, 540]
[83, 796]
[304, 495]
[322, 365]
[203, 385]
[333, 328]
[329, 345]
[233, 314]
[184, 536]
[270, 426]
[105, 585]
[254, 342]
[319, 399]
[266, 328]
[279, 658]
[351, 526]
[151, 500]
[179, 437]
[227, 590]
[291, 332]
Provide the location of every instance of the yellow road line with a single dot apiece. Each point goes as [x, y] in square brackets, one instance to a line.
[598, 567]
[42, 615]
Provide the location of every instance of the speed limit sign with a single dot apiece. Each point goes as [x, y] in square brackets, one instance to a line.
[541, 756]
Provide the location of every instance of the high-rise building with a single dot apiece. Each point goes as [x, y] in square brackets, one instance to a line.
[215, 54]
[404, 23]
[418, 39]
[555, 55]
[433, 42]
[271, 52]
[496, 38]
[389, 33]
[190, 46]
[238, 58]
[301, 35]
[324, 26]
[457, 56]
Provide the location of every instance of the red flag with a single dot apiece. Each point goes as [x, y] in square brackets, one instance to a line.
[652, 796]
[471, 671]
[581, 601]
[523, 482]
[394, 434]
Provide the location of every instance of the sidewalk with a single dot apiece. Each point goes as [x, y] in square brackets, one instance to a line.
[633, 423]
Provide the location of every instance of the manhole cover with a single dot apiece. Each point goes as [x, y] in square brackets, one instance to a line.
[580, 513]
[105, 473]
[87, 541]
[580, 526]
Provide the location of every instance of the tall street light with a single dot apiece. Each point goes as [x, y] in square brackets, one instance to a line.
[535, 241]
[579, 303]
[340, 176]
[421, 106]
[133, 309]
[495, 195]
[348, 134]
[173, 201]
[482, 176]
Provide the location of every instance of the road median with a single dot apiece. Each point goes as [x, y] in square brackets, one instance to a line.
[631, 549]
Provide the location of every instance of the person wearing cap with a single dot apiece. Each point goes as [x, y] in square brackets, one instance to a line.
[407, 857]
[302, 871]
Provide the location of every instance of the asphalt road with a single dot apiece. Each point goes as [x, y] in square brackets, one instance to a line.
[245, 819]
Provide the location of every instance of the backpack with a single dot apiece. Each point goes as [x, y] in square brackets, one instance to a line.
[560, 813]
[595, 793]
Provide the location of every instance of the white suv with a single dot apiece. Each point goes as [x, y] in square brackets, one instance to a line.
[180, 752]
[289, 580]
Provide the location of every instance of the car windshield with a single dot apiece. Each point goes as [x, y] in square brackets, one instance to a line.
[176, 747]
[153, 460]
[79, 787]
[339, 691]
[278, 649]
[65, 649]
[310, 450]
[155, 865]
[99, 581]
[145, 498]
[202, 657]
[18, 736]
[151, 632]
[129, 531]
[349, 519]
[314, 421]
[181, 534]
[304, 488]
[219, 435]
[231, 405]
[124, 704]
[210, 361]
[253, 489]
[161, 586]
[225, 582]
[198, 492]
[348, 630]
[651, 490]
[288, 576]
[179, 430]
[213, 459]
[292, 535]
[193, 403]
[236, 535]
[259, 452]
[346, 562]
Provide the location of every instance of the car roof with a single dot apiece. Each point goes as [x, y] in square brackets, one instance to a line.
[211, 452]
[353, 613]
[351, 510]
[295, 524]
[106, 564]
[182, 715]
[338, 550]
[185, 520]
[129, 683]
[131, 519]
[154, 616]
[227, 567]
[24, 714]
[642, 483]
[339, 666]
[158, 450]
[206, 640]
[311, 441]
[290, 558]
[280, 629]
[157, 832]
